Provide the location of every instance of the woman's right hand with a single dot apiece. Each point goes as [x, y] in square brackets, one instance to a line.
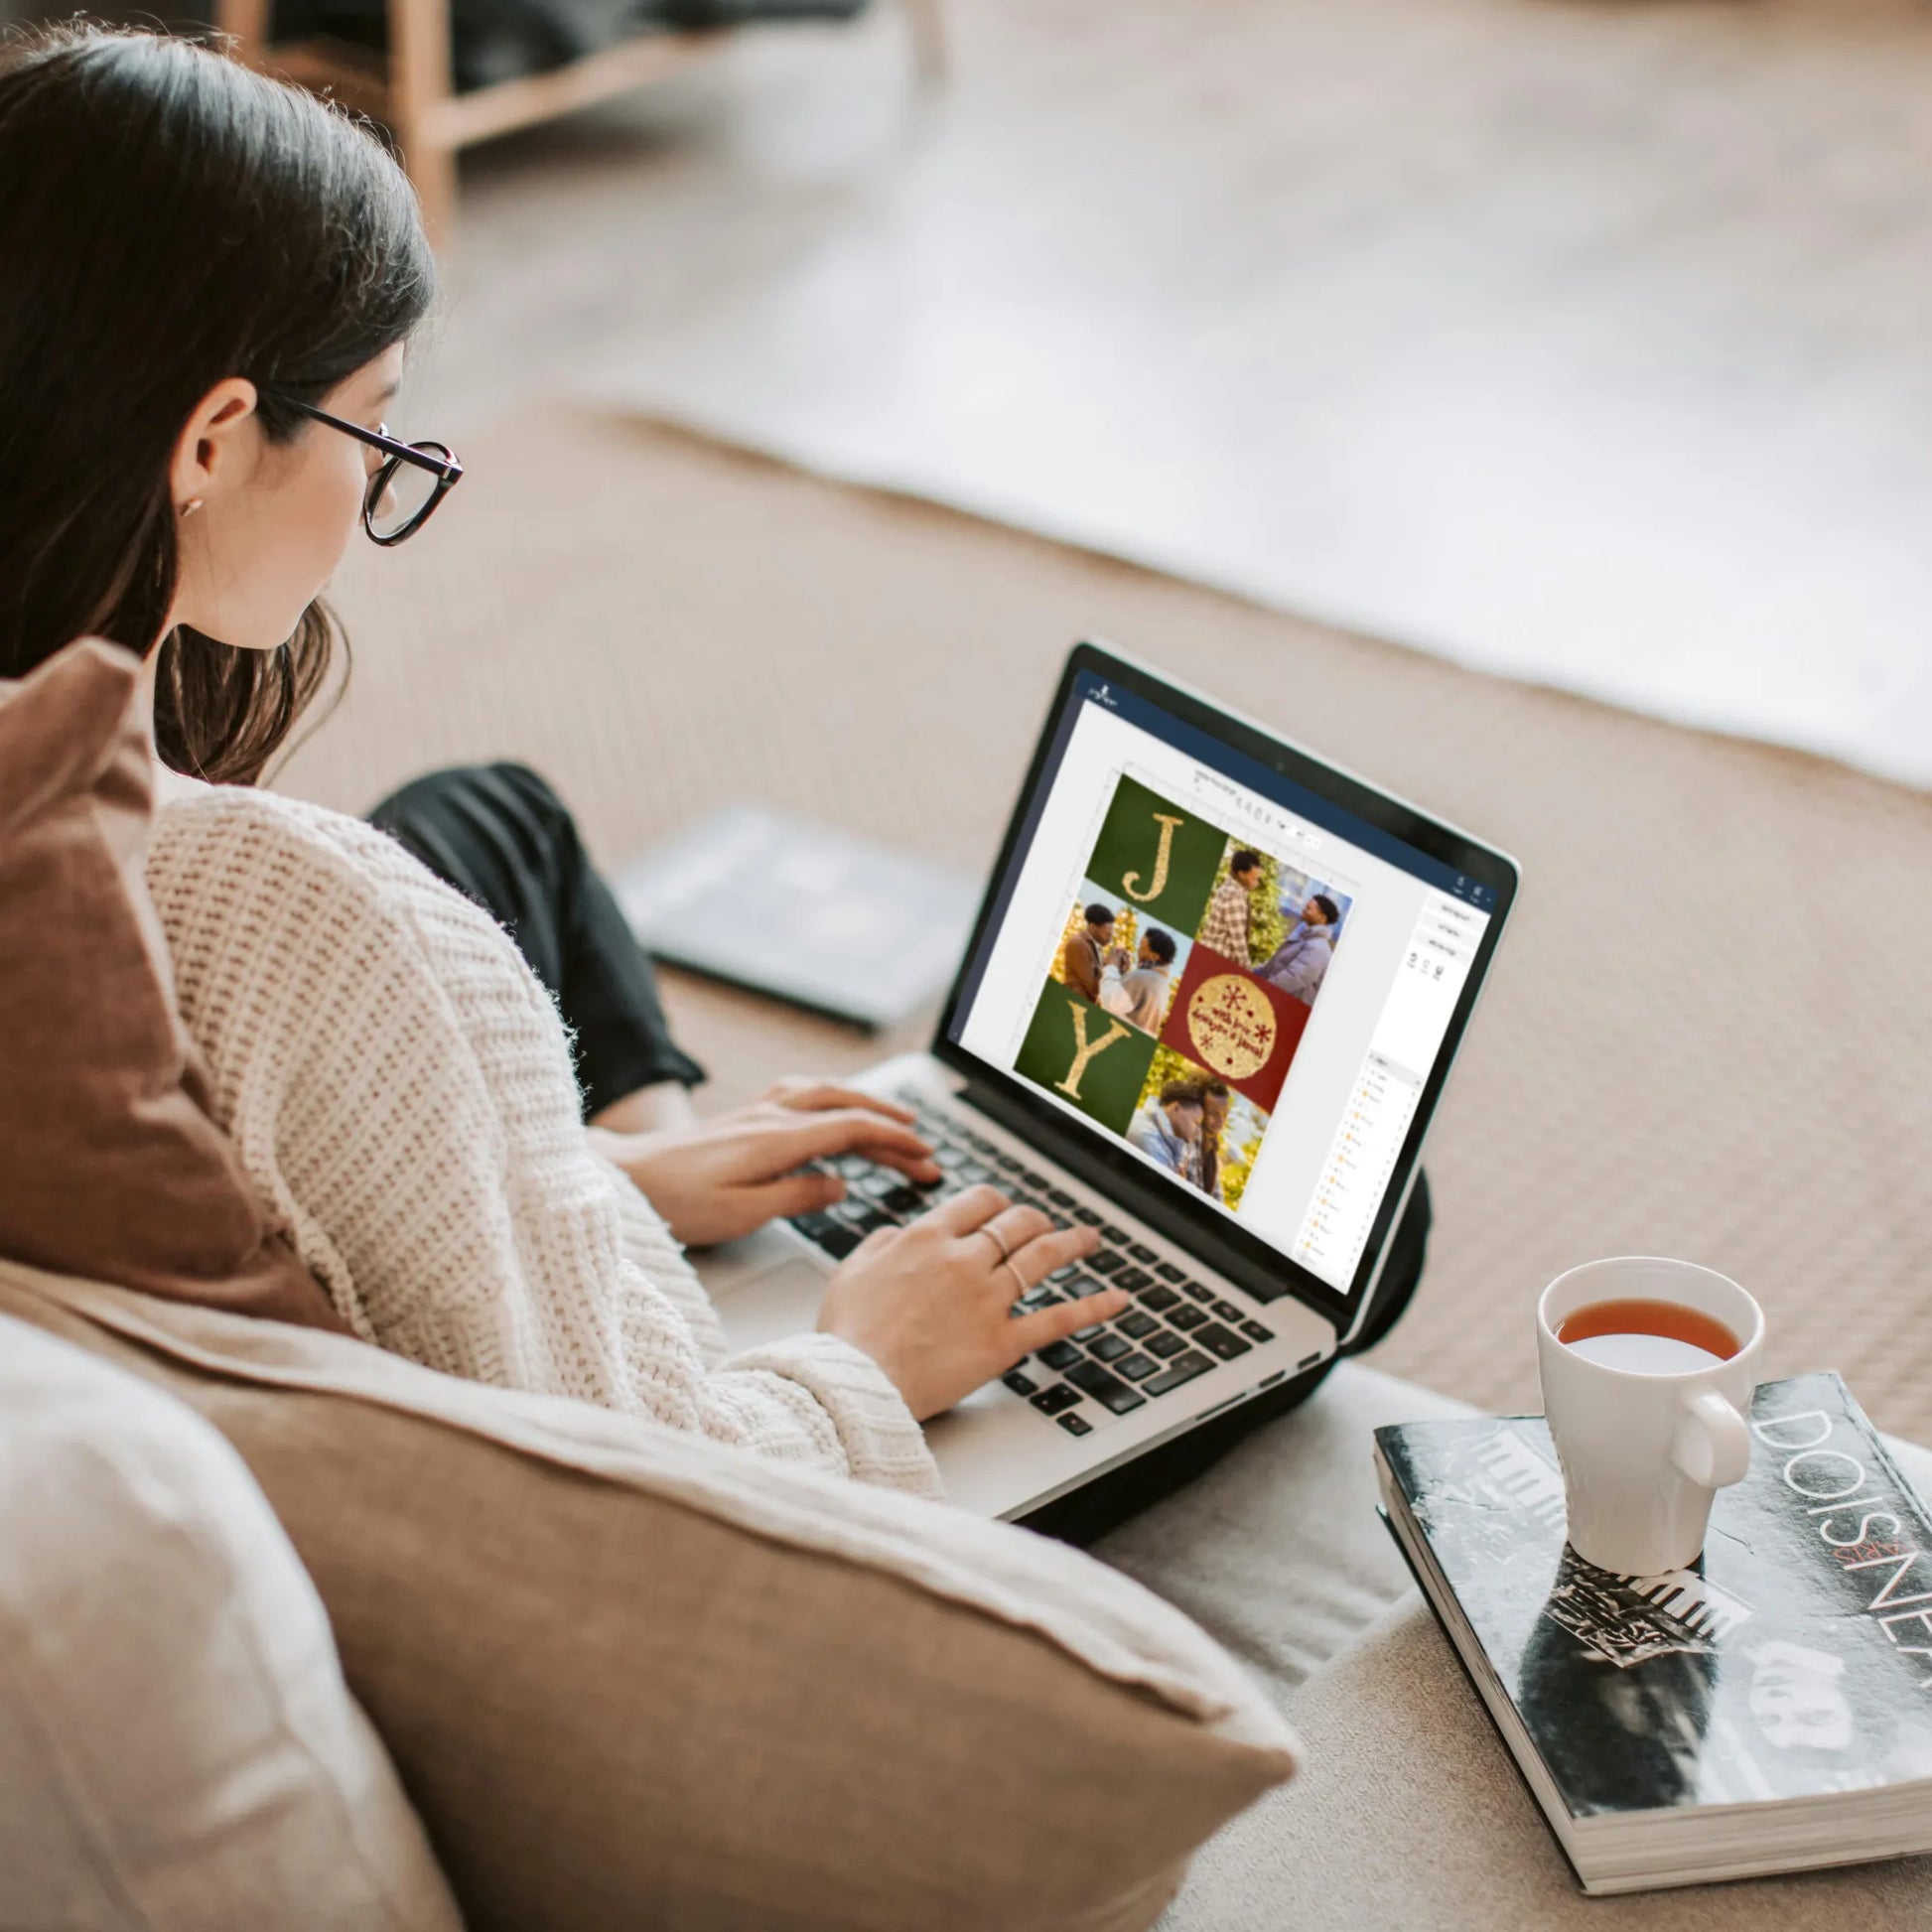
[930, 1302]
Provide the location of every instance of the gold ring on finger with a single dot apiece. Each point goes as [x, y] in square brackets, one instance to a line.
[997, 1238]
[1020, 1281]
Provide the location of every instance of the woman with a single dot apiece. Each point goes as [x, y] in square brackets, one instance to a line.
[207, 283]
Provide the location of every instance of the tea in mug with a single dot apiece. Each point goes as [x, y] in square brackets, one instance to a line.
[1647, 1338]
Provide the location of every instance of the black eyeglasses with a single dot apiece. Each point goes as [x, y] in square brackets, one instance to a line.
[415, 477]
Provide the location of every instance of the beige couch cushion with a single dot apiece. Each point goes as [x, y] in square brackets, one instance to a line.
[178, 1751]
[632, 1678]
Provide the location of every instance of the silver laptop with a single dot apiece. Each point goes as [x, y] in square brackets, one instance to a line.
[1208, 1006]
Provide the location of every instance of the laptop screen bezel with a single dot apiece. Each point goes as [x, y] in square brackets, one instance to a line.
[1106, 1164]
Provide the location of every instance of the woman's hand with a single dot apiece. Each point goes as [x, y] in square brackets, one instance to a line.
[929, 1303]
[717, 1180]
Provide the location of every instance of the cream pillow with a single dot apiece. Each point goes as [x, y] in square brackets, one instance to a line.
[178, 1751]
[632, 1678]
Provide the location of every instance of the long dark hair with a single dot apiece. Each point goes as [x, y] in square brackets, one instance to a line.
[170, 217]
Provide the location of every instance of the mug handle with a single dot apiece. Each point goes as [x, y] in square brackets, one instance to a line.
[1711, 1445]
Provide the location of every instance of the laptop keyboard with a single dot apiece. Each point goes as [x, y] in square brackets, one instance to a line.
[1175, 1330]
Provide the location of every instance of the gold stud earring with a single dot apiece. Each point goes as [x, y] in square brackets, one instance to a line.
[191, 507]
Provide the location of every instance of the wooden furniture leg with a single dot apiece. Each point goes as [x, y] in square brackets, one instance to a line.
[420, 83]
[246, 24]
[413, 93]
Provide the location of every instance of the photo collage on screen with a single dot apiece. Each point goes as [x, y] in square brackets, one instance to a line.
[1179, 987]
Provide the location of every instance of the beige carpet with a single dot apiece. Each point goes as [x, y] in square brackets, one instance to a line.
[1705, 1034]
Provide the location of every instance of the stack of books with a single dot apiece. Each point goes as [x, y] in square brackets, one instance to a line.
[1768, 1710]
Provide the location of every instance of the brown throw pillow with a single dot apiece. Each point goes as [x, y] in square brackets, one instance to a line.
[110, 1165]
[633, 1678]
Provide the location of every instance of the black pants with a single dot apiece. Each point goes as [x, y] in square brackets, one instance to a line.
[499, 835]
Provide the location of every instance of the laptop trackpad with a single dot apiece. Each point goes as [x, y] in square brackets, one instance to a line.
[765, 1288]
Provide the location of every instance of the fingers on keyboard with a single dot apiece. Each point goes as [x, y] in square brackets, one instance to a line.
[1050, 1325]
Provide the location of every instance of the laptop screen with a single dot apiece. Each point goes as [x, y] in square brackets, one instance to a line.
[1233, 978]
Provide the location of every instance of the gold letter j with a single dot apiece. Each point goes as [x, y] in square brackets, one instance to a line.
[1127, 883]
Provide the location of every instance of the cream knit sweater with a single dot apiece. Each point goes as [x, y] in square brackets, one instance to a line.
[400, 1086]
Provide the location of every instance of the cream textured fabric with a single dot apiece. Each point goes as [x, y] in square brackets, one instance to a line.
[636, 1679]
[400, 1086]
[178, 1751]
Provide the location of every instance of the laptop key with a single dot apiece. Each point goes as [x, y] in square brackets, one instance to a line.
[1075, 1425]
[1221, 1342]
[1090, 1332]
[1185, 1318]
[1059, 1197]
[1133, 1279]
[1113, 1233]
[1256, 1332]
[839, 1242]
[1136, 1368]
[1228, 1312]
[1103, 1261]
[814, 1226]
[1169, 1272]
[1142, 1254]
[1165, 1344]
[1049, 1401]
[1086, 1217]
[1059, 1354]
[1104, 1386]
[1184, 1368]
[1137, 1325]
[904, 1199]
[1106, 1347]
[1158, 1298]
[1020, 1382]
[1199, 1292]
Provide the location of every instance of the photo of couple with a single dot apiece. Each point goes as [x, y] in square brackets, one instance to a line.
[1279, 923]
[1198, 1128]
[1179, 988]
[1124, 965]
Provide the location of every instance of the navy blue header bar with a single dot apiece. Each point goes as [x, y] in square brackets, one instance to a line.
[1267, 782]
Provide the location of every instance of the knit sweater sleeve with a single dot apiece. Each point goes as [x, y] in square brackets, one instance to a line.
[400, 1086]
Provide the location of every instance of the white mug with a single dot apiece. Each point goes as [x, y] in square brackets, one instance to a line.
[1643, 1450]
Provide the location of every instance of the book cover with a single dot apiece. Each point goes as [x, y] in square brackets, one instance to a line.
[1793, 1660]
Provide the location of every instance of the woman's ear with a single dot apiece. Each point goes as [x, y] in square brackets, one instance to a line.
[215, 450]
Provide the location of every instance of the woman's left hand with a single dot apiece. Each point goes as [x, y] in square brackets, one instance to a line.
[721, 1179]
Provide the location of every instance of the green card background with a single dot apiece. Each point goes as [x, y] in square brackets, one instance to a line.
[1129, 842]
[1112, 1081]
